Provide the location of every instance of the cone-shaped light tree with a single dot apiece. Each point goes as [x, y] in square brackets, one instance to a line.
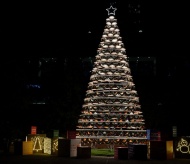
[111, 113]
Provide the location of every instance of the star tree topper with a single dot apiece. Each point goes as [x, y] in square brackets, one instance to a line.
[111, 10]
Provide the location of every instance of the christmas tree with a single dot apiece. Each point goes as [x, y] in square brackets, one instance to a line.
[111, 114]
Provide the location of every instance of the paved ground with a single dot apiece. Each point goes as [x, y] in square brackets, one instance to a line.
[49, 159]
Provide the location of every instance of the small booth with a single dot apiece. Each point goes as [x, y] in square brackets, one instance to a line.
[121, 153]
[83, 152]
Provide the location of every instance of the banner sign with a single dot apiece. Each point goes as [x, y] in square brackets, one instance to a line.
[71, 134]
[56, 133]
[33, 129]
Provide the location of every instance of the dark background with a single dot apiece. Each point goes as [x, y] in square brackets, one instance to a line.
[60, 40]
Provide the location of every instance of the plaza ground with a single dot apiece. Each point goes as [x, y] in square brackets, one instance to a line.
[49, 159]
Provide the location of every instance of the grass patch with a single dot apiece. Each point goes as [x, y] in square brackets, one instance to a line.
[102, 152]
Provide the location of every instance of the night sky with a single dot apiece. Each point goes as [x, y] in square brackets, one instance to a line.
[74, 29]
[44, 28]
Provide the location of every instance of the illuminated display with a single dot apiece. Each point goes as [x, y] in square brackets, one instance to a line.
[47, 145]
[27, 148]
[54, 146]
[73, 147]
[33, 129]
[38, 142]
[111, 10]
[182, 147]
[111, 113]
